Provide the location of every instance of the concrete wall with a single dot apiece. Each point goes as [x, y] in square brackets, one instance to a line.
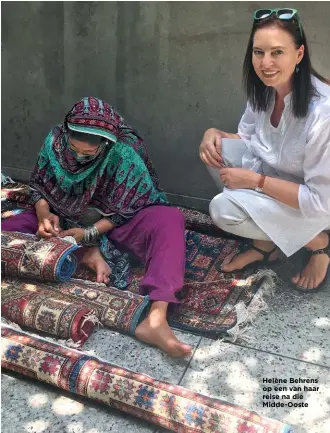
[172, 69]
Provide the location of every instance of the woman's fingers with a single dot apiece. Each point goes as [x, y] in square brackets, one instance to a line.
[42, 232]
[208, 159]
[218, 142]
[70, 232]
[213, 152]
[213, 162]
[49, 227]
[56, 222]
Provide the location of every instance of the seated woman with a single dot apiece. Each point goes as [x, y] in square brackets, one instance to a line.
[277, 177]
[94, 170]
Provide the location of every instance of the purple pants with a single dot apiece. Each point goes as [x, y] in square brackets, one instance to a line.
[155, 236]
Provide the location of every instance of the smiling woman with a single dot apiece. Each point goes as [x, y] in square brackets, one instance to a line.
[276, 176]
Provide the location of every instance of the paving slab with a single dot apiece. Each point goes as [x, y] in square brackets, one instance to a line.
[295, 325]
[128, 352]
[236, 374]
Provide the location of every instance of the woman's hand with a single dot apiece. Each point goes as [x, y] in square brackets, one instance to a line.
[210, 148]
[78, 233]
[239, 178]
[49, 225]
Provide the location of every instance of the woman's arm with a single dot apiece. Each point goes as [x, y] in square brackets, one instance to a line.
[242, 178]
[313, 196]
[104, 225]
[282, 190]
[42, 208]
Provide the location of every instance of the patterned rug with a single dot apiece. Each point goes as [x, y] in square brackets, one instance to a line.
[25, 256]
[165, 405]
[117, 309]
[28, 305]
[15, 192]
[213, 303]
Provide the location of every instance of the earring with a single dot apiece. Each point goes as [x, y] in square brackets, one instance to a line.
[297, 69]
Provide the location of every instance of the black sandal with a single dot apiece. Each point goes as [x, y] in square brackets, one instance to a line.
[254, 265]
[309, 254]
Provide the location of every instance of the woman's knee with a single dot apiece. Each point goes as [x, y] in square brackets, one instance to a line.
[166, 215]
[225, 212]
[164, 218]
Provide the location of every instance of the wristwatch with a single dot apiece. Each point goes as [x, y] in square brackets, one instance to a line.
[260, 186]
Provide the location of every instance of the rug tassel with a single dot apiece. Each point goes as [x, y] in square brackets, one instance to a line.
[14, 325]
[6, 179]
[67, 343]
[91, 317]
[246, 314]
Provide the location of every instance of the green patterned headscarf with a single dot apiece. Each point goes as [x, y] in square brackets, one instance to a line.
[118, 181]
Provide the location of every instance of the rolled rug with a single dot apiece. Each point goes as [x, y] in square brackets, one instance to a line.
[42, 310]
[170, 406]
[23, 255]
[14, 191]
[117, 309]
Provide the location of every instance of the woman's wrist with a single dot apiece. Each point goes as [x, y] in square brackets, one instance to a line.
[254, 179]
[42, 209]
[104, 225]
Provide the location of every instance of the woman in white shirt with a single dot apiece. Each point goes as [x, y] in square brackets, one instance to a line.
[277, 175]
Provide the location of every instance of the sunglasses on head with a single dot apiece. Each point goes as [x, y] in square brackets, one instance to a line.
[284, 14]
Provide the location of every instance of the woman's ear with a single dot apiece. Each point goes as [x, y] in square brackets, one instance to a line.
[301, 51]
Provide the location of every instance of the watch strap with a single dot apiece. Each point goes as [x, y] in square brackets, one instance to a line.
[260, 186]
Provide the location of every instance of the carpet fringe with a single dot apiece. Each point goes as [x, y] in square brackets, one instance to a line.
[65, 343]
[6, 179]
[91, 317]
[247, 314]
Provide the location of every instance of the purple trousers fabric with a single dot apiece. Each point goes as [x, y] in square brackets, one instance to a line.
[155, 236]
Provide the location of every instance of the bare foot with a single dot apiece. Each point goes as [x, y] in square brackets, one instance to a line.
[94, 260]
[231, 264]
[316, 270]
[156, 331]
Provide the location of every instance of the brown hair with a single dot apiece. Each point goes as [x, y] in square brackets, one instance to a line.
[303, 90]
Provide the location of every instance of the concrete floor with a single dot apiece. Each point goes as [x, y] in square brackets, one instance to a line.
[290, 340]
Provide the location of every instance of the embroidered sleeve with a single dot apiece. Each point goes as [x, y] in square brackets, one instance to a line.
[314, 195]
[116, 219]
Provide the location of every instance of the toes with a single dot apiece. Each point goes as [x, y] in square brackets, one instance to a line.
[296, 278]
[303, 282]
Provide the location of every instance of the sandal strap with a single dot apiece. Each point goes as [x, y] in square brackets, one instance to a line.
[322, 251]
[265, 254]
[325, 250]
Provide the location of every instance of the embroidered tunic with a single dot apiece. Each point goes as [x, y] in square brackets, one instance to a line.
[298, 150]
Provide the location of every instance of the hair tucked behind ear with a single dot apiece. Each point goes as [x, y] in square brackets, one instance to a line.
[258, 94]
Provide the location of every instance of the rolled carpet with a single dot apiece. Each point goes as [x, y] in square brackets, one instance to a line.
[170, 406]
[42, 310]
[23, 255]
[117, 309]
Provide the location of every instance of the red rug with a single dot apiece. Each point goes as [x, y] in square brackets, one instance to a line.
[25, 256]
[213, 303]
[165, 405]
[116, 309]
[28, 305]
